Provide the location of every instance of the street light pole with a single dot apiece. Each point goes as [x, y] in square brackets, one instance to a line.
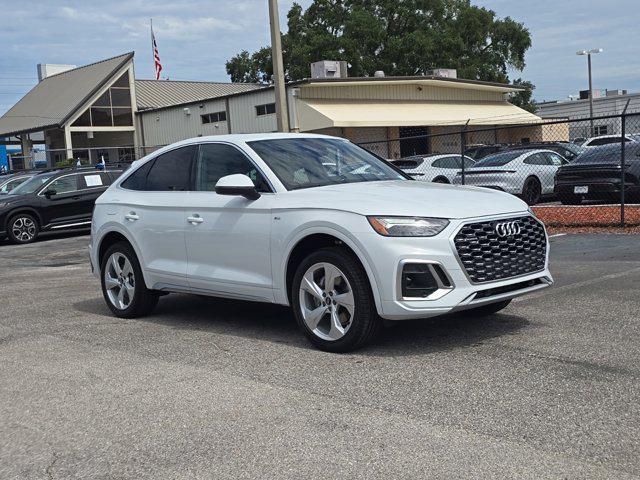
[588, 54]
[278, 68]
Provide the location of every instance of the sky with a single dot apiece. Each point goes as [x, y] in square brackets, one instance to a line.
[196, 37]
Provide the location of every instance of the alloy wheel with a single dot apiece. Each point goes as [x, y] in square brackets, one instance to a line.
[23, 229]
[326, 301]
[119, 281]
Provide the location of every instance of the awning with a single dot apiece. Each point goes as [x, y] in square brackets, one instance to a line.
[316, 114]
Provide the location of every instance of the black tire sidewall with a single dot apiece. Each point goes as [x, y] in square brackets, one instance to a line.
[531, 182]
[141, 297]
[365, 322]
[10, 227]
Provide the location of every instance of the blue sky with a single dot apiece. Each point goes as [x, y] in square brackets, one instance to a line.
[196, 37]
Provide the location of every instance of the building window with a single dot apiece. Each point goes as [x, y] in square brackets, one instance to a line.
[112, 109]
[214, 117]
[601, 130]
[266, 109]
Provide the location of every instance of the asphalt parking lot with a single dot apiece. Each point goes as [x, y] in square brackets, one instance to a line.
[210, 388]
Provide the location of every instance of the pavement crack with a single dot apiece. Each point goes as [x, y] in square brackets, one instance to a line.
[49, 469]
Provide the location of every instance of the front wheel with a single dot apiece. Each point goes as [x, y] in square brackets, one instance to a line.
[123, 284]
[23, 228]
[332, 301]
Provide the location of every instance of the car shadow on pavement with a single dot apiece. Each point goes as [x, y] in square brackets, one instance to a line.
[275, 323]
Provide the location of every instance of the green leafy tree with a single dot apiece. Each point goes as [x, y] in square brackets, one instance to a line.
[523, 98]
[400, 37]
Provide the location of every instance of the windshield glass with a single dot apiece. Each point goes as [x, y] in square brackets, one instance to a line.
[315, 162]
[31, 185]
[498, 159]
[608, 154]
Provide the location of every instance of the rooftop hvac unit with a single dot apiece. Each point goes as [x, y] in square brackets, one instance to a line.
[445, 72]
[329, 69]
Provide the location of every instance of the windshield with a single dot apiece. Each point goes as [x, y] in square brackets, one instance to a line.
[315, 162]
[608, 155]
[31, 185]
[498, 159]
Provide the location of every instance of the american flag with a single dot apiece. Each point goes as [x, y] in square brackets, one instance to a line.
[156, 55]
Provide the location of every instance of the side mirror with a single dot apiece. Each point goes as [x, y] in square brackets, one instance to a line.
[50, 193]
[239, 185]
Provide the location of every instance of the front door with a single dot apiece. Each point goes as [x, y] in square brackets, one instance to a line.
[228, 237]
[60, 202]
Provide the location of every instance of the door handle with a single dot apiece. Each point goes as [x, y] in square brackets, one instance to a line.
[132, 216]
[195, 219]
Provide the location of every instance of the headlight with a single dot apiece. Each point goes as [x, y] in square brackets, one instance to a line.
[408, 226]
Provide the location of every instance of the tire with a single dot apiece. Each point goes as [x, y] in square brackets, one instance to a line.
[127, 279]
[440, 180]
[570, 199]
[486, 310]
[531, 191]
[22, 228]
[356, 313]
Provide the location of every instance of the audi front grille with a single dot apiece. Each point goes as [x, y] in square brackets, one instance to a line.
[500, 249]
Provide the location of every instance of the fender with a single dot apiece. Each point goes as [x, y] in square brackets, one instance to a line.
[23, 209]
[116, 227]
[334, 230]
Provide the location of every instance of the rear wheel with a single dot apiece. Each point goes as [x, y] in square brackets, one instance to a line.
[123, 285]
[531, 191]
[440, 180]
[23, 228]
[485, 310]
[332, 301]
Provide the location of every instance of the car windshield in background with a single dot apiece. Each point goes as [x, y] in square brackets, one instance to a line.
[608, 154]
[31, 185]
[498, 159]
[315, 162]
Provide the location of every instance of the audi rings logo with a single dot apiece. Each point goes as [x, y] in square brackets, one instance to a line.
[507, 229]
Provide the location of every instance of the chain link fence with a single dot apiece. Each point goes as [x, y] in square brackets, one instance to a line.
[582, 172]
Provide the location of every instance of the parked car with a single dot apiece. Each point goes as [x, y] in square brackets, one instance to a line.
[11, 181]
[569, 151]
[439, 168]
[526, 173]
[260, 217]
[477, 152]
[597, 175]
[607, 140]
[52, 200]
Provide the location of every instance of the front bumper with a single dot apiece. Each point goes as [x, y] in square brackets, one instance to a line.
[389, 254]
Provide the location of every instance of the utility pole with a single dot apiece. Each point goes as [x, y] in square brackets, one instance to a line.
[278, 68]
[588, 54]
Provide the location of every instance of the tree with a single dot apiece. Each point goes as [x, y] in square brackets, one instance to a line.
[400, 37]
[523, 98]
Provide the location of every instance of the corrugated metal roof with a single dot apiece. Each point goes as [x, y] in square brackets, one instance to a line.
[54, 99]
[152, 94]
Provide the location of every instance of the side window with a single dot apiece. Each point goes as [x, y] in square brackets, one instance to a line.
[94, 180]
[171, 171]
[138, 179]
[452, 162]
[555, 159]
[217, 160]
[439, 163]
[66, 184]
[468, 162]
[536, 159]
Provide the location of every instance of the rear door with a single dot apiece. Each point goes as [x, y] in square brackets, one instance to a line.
[90, 186]
[154, 214]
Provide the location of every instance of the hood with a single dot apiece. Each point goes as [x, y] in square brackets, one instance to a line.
[8, 199]
[408, 198]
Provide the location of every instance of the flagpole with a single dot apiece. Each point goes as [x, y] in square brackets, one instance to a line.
[153, 55]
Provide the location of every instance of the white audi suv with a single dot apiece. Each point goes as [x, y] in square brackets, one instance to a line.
[313, 222]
